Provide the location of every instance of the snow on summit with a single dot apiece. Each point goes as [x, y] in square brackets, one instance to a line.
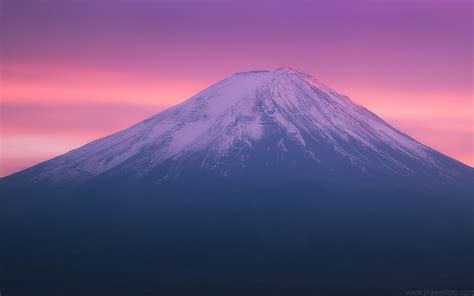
[230, 123]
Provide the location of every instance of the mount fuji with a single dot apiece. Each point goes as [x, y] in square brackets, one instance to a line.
[280, 120]
[265, 183]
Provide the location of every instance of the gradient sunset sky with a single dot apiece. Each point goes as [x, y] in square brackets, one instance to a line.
[73, 71]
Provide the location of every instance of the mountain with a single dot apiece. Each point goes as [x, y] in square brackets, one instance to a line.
[281, 119]
[265, 183]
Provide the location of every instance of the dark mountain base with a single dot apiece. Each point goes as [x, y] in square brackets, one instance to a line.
[273, 238]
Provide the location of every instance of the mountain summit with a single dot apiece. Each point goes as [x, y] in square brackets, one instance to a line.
[257, 120]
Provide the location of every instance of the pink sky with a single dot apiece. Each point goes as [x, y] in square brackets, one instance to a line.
[73, 73]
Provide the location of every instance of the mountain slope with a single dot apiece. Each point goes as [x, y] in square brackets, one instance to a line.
[275, 119]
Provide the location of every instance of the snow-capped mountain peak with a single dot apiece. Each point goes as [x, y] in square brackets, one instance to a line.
[283, 116]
